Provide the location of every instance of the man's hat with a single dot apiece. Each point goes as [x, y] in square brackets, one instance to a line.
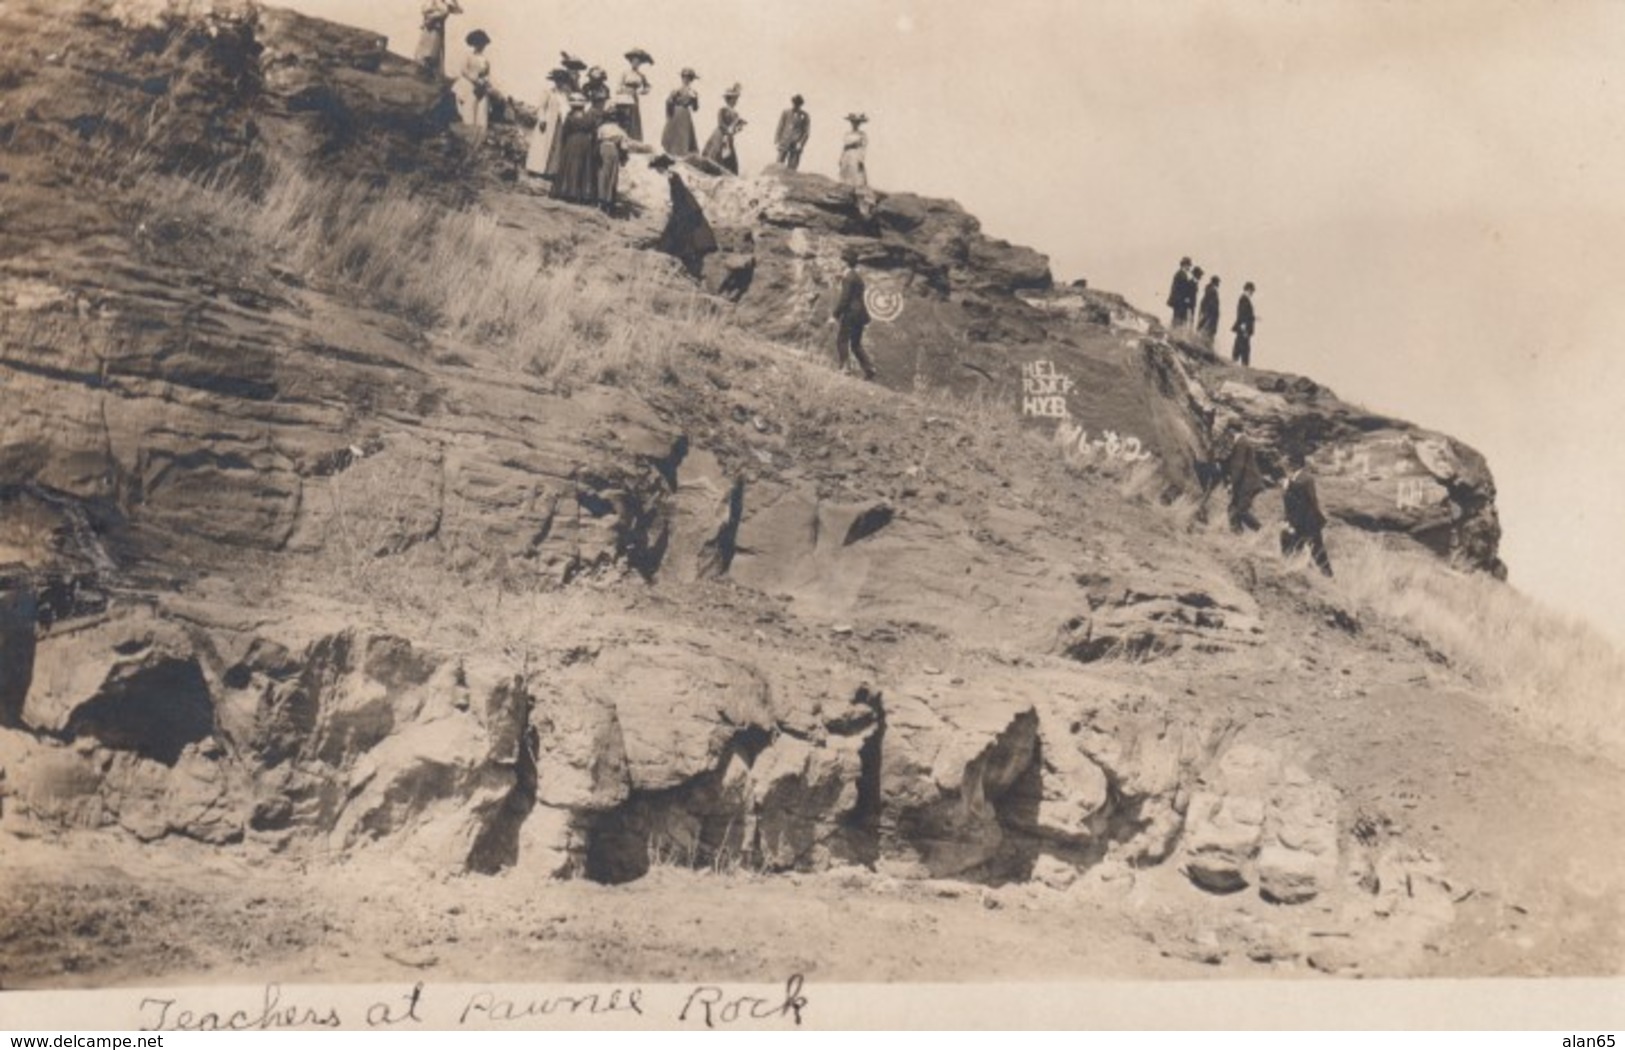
[733, 92]
[1247, 287]
[1213, 280]
[1186, 261]
[689, 74]
[478, 38]
[662, 162]
[1197, 271]
[858, 118]
[640, 54]
[571, 62]
[796, 100]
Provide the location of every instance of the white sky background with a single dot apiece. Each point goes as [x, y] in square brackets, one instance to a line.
[1429, 195]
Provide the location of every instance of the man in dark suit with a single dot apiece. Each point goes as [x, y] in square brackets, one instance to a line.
[852, 315]
[1305, 521]
[1245, 323]
[1179, 295]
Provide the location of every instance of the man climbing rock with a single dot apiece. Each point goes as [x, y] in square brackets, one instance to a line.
[1241, 473]
[1305, 522]
[852, 316]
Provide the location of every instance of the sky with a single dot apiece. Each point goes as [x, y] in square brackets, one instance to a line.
[1425, 193]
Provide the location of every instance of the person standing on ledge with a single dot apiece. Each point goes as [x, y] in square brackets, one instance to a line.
[543, 156]
[432, 43]
[596, 90]
[1176, 295]
[1305, 521]
[678, 138]
[720, 147]
[1207, 322]
[851, 314]
[855, 152]
[473, 87]
[1246, 322]
[577, 148]
[634, 85]
[794, 128]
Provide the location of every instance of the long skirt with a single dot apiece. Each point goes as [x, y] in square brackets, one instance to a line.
[679, 139]
[543, 156]
[609, 172]
[575, 180]
[720, 148]
[854, 167]
[631, 119]
[473, 110]
[431, 53]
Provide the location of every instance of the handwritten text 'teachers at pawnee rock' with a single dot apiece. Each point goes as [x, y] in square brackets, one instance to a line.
[274, 1008]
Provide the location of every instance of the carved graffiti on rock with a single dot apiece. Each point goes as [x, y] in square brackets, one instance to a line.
[1412, 493]
[884, 300]
[1109, 446]
[1044, 390]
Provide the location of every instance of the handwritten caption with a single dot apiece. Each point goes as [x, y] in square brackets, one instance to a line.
[715, 1006]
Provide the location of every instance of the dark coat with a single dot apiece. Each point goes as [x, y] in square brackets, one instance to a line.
[1241, 472]
[1302, 504]
[1176, 291]
[1245, 322]
[578, 157]
[1209, 318]
[688, 235]
[794, 127]
[850, 307]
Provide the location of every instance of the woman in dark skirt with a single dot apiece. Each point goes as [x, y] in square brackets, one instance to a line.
[720, 147]
[679, 139]
[688, 236]
[578, 150]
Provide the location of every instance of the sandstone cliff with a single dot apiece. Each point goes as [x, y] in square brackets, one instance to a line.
[292, 571]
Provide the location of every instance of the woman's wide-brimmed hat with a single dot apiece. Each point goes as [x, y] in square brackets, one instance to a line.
[858, 118]
[577, 99]
[733, 92]
[571, 62]
[689, 74]
[637, 54]
[561, 76]
[478, 38]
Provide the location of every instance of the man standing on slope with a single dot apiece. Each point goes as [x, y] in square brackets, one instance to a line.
[852, 315]
[1305, 522]
[1177, 297]
[1245, 323]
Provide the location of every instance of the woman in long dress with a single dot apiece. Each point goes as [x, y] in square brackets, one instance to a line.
[431, 53]
[577, 154]
[473, 87]
[687, 236]
[720, 146]
[678, 138]
[855, 152]
[543, 157]
[634, 85]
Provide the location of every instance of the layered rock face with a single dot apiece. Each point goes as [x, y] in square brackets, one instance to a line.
[210, 482]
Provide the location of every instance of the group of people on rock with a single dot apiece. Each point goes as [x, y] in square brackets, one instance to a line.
[1305, 525]
[586, 127]
[1204, 317]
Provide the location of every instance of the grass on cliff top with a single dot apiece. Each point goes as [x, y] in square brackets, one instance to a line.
[536, 298]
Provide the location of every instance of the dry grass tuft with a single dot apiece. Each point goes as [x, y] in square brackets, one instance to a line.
[1550, 670]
